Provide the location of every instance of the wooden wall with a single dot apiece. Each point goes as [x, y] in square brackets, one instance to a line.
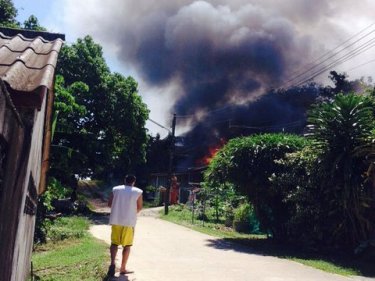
[21, 138]
[12, 134]
[25, 233]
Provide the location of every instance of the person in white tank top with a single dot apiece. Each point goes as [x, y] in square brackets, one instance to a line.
[125, 202]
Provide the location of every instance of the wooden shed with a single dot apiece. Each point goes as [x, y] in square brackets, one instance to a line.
[27, 68]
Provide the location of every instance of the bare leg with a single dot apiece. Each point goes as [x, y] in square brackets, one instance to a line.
[113, 251]
[125, 257]
[112, 267]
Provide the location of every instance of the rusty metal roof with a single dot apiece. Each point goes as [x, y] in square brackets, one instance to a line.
[27, 64]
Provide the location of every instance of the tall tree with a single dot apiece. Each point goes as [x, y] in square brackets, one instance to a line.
[115, 114]
[338, 128]
[67, 129]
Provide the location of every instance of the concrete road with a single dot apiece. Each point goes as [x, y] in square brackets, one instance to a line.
[164, 251]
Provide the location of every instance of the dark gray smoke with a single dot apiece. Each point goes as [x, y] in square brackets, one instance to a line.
[223, 55]
[218, 53]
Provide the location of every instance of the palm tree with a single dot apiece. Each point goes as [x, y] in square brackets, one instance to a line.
[338, 129]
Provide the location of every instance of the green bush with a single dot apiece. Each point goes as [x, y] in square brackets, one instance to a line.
[244, 219]
[247, 164]
[68, 227]
[55, 190]
[223, 198]
[228, 215]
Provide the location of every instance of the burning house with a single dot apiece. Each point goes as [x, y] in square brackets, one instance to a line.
[225, 60]
[187, 168]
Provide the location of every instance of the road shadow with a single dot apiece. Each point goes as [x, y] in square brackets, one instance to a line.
[119, 278]
[269, 247]
[229, 245]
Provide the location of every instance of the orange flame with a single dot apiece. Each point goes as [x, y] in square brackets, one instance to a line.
[212, 151]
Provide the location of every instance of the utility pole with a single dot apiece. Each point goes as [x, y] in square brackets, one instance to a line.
[170, 167]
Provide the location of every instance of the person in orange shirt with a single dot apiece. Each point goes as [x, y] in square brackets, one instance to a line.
[175, 189]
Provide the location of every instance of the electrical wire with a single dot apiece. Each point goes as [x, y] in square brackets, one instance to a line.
[314, 65]
[328, 56]
[156, 123]
[331, 51]
[363, 48]
[360, 65]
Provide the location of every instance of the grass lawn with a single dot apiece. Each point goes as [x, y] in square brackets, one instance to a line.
[72, 254]
[339, 264]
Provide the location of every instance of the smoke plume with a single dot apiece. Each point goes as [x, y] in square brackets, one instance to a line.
[217, 54]
[223, 56]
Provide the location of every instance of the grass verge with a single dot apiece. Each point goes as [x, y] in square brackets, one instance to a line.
[338, 264]
[71, 254]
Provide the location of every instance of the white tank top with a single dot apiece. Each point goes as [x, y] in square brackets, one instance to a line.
[124, 205]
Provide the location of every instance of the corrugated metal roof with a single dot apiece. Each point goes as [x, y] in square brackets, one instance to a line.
[27, 65]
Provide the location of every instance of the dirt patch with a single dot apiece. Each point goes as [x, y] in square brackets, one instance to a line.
[96, 195]
[99, 205]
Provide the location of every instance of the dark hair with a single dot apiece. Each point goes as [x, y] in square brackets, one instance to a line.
[129, 179]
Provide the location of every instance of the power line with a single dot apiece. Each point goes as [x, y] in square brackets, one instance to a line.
[368, 45]
[361, 49]
[331, 51]
[156, 123]
[320, 67]
[362, 64]
[305, 76]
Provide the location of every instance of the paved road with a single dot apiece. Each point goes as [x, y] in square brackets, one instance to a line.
[164, 251]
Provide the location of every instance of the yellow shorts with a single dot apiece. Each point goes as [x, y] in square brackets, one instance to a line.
[122, 235]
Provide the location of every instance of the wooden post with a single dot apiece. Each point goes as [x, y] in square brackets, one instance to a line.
[170, 168]
[49, 95]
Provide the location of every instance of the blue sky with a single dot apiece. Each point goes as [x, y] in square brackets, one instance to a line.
[50, 15]
[41, 9]
[26, 8]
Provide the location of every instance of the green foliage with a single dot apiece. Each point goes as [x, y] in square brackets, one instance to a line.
[151, 189]
[111, 132]
[300, 176]
[338, 129]
[68, 113]
[223, 198]
[8, 14]
[331, 203]
[58, 260]
[68, 128]
[68, 228]
[32, 23]
[248, 163]
[55, 190]
[342, 125]
[245, 219]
